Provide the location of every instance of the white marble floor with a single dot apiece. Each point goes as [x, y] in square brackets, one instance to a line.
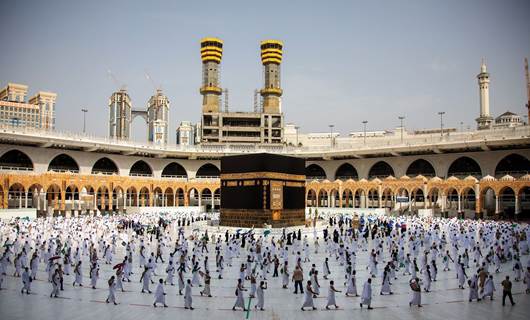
[445, 301]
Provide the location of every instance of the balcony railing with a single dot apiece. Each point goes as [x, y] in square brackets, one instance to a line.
[12, 168]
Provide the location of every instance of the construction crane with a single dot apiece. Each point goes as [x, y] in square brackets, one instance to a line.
[118, 84]
[155, 86]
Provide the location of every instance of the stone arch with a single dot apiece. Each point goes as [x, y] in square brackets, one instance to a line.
[311, 199]
[359, 198]
[346, 171]
[157, 197]
[506, 199]
[36, 197]
[387, 198]
[180, 197]
[169, 197]
[380, 169]
[322, 198]
[434, 197]
[105, 166]
[63, 163]
[144, 197]
[53, 197]
[103, 199]
[16, 160]
[420, 167]
[347, 198]
[468, 199]
[463, 167]
[71, 193]
[193, 197]
[131, 199]
[16, 197]
[417, 199]
[174, 170]
[315, 172]
[206, 198]
[118, 199]
[488, 200]
[373, 198]
[451, 199]
[141, 169]
[208, 170]
[524, 202]
[514, 165]
[335, 197]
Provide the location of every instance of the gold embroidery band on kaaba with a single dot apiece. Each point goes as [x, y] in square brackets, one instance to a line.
[262, 175]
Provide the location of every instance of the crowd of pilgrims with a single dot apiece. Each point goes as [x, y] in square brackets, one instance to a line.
[162, 250]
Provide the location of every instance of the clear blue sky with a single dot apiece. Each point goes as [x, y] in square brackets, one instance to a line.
[344, 61]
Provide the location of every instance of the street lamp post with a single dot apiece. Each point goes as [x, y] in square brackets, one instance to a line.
[441, 113]
[296, 128]
[84, 118]
[364, 130]
[401, 124]
[331, 135]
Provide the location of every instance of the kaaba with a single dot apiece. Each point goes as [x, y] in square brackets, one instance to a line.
[262, 189]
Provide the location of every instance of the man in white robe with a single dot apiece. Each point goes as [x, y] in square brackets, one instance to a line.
[416, 292]
[112, 291]
[160, 294]
[308, 298]
[187, 296]
[331, 296]
[26, 281]
[366, 296]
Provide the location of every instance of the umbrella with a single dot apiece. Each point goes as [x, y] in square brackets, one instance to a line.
[196, 230]
[238, 230]
[54, 258]
[118, 266]
[266, 232]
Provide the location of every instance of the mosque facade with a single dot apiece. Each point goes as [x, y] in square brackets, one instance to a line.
[478, 173]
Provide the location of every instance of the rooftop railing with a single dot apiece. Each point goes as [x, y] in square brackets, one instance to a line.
[341, 143]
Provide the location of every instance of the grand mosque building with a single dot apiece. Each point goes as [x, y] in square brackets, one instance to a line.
[444, 171]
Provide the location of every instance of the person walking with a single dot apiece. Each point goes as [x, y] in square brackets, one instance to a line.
[507, 291]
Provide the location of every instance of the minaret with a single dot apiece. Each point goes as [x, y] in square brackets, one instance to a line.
[485, 119]
[527, 87]
[120, 112]
[157, 118]
[271, 58]
[211, 54]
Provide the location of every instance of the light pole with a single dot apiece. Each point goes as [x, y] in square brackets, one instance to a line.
[84, 118]
[401, 121]
[364, 130]
[441, 113]
[296, 128]
[331, 135]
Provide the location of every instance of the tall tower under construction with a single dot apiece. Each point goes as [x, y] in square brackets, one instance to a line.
[271, 58]
[120, 112]
[263, 125]
[211, 54]
[157, 118]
